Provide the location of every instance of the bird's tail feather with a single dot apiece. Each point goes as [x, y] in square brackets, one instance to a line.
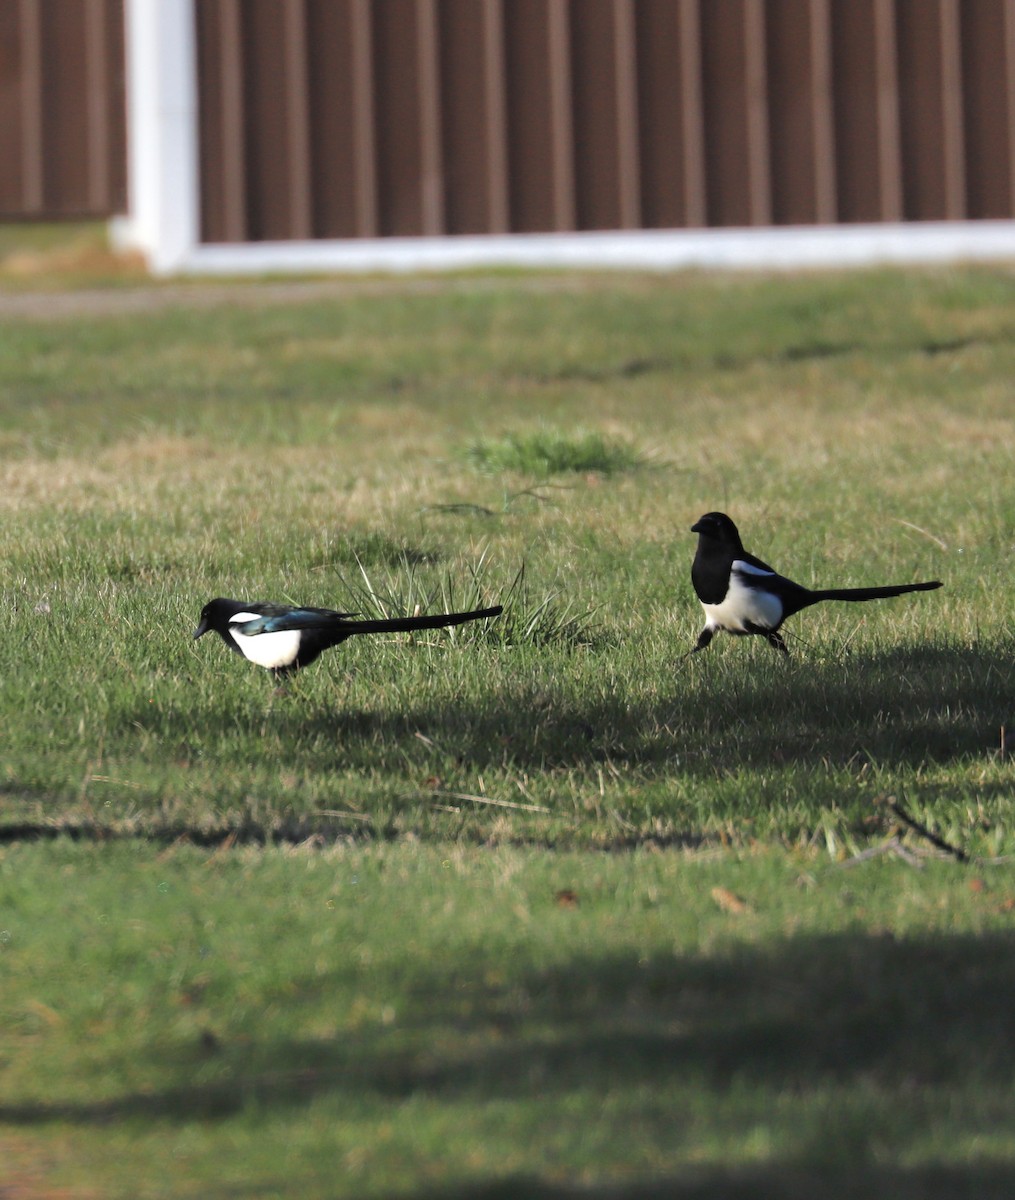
[872, 593]
[406, 624]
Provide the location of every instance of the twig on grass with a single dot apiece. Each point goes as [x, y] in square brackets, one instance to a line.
[462, 507]
[223, 848]
[909, 525]
[533, 493]
[849, 637]
[908, 857]
[886, 847]
[477, 800]
[955, 851]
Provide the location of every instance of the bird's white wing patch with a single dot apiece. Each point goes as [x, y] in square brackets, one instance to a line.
[269, 650]
[746, 568]
[745, 606]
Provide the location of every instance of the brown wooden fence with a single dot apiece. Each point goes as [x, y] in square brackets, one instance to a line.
[346, 118]
[363, 118]
[62, 139]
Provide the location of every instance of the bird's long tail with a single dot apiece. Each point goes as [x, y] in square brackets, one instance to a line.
[873, 593]
[406, 624]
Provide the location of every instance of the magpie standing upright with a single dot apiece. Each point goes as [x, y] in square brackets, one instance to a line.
[740, 594]
[282, 638]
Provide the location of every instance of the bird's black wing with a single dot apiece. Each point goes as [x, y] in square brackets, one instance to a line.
[279, 618]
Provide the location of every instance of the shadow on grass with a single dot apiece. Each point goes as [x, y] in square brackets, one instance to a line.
[907, 706]
[785, 738]
[987, 1181]
[851, 1051]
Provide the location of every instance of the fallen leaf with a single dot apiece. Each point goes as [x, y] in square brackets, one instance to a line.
[567, 898]
[45, 1013]
[729, 901]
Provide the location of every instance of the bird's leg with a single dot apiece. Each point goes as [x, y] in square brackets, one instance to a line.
[775, 639]
[704, 638]
[771, 636]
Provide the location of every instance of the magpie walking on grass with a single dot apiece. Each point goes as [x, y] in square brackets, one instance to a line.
[283, 639]
[742, 595]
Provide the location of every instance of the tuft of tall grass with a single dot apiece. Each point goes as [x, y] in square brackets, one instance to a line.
[535, 616]
[548, 452]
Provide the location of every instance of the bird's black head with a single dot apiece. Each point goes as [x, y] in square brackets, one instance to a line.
[215, 615]
[717, 525]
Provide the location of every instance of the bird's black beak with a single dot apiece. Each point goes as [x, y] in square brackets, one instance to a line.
[202, 629]
[696, 527]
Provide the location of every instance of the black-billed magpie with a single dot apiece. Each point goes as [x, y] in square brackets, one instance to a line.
[283, 638]
[740, 594]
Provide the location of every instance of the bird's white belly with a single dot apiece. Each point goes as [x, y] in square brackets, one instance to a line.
[270, 650]
[742, 607]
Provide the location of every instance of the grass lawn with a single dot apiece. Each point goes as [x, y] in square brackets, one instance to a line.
[532, 907]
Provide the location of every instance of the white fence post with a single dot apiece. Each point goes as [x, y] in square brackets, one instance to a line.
[163, 219]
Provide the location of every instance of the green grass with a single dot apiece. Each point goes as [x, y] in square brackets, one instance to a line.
[550, 452]
[452, 1029]
[452, 1022]
[42, 256]
[858, 427]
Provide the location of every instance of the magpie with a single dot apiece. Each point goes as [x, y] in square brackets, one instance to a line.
[283, 638]
[740, 594]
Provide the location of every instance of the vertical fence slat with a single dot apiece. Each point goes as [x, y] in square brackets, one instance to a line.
[399, 119]
[798, 46]
[669, 103]
[363, 119]
[628, 157]
[825, 203]
[929, 136]
[1009, 85]
[116, 98]
[529, 123]
[233, 133]
[953, 148]
[888, 132]
[789, 52]
[11, 191]
[759, 163]
[988, 116]
[468, 135]
[32, 151]
[597, 43]
[498, 191]
[96, 74]
[297, 103]
[733, 95]
[561, 117]
[332, 104]
[431, 165]
[271, 78]
[692, 113]
[856, 109]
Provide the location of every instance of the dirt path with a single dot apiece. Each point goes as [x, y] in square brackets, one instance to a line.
[148, 298]
[124, 300]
